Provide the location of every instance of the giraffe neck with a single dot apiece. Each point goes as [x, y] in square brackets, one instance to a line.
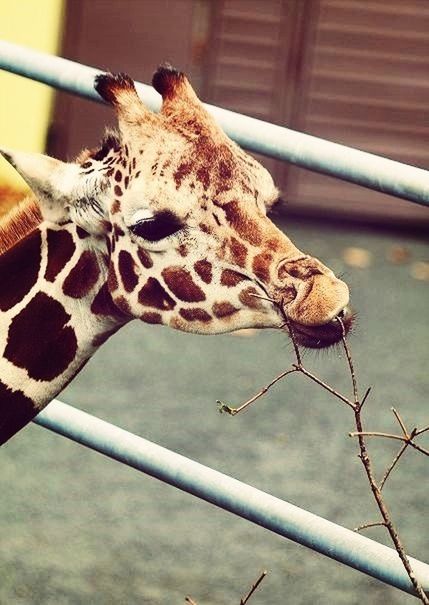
[55, 311]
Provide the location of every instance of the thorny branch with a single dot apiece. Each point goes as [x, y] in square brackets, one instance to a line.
[244, 599]
[356, 404]
[254, 586]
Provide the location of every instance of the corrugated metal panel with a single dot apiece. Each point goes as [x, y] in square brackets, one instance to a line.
[368, 87]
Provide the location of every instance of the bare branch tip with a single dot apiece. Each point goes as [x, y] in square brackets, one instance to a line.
[224, 408]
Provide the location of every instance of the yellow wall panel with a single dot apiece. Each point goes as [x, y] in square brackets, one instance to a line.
[25, 106]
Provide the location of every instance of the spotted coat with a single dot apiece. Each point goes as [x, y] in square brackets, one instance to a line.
[166, 222]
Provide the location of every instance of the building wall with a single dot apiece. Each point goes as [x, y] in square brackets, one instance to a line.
[353, 72]
[349, 71]
[25, 106]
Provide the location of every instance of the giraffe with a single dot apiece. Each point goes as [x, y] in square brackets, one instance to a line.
[166, 221]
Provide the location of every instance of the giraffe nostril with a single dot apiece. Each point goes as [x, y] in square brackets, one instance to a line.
[345, 313]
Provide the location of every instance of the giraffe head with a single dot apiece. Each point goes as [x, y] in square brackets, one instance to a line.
[181, 212]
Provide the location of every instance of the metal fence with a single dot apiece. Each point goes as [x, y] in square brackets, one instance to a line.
[223, 491]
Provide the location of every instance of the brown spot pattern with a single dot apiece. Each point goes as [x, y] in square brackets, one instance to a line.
[203, 175]
[145, 258]
[82, 277]
[127, 270]
[231, 278]
[60, 251]
[273, 244]
[16, 410]
[238, 252]
[182, 171]
[116, 207]
[183, 250]
[112, 280]
[224, 309]
[247, 228]
[19, 269]
[39, 339]
[117, 232]
[182, 285]
[117, 190]
[82, 234]
[153, 295]
[122, 304]
[151, 317]
[225, 170]
[195, 315]
[261, 265]
[248, 300]
[204, 270]
[103, 303]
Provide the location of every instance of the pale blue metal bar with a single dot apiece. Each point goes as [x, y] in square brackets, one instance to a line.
[310, 152]
[234, 496]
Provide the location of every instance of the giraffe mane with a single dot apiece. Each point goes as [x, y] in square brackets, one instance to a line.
[21, 219]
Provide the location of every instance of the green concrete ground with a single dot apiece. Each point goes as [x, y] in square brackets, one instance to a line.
[77, 528]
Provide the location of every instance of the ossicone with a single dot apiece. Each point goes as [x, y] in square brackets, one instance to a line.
[167, 79]
[111, 86]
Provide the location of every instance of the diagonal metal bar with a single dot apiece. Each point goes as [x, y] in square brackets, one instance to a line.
[313, 153]
[241, 499]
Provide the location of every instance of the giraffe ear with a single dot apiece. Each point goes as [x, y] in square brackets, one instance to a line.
[62, 191]
[50, 179]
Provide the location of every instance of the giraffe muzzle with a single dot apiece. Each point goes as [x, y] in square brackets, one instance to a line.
[325, 335]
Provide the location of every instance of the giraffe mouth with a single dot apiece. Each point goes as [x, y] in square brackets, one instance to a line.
[325, 335]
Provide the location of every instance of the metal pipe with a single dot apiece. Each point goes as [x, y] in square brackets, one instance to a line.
[366, 169]
[241, 499]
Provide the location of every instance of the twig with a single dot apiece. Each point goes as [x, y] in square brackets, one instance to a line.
[419, 448]
[350, 364]
[377, 434]
[326, 386]
[406, 439]
[224, 407]
[244, 600]
[367, 525]
[356, 404]
[392, 465]
[366, 461]
[421, 431]
[365, 397]
[401, 422]
[292, 334]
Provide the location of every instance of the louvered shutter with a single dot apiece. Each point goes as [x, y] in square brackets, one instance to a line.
[346, 70]
[366, 85]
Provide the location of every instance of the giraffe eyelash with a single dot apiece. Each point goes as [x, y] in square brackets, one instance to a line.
[157, 227]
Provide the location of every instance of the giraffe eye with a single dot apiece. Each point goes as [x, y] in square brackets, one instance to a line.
[157, 227]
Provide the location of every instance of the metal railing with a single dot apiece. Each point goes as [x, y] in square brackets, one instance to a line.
[279, 516]
[310, 152]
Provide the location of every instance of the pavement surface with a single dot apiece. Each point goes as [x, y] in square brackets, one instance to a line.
[78, 528]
